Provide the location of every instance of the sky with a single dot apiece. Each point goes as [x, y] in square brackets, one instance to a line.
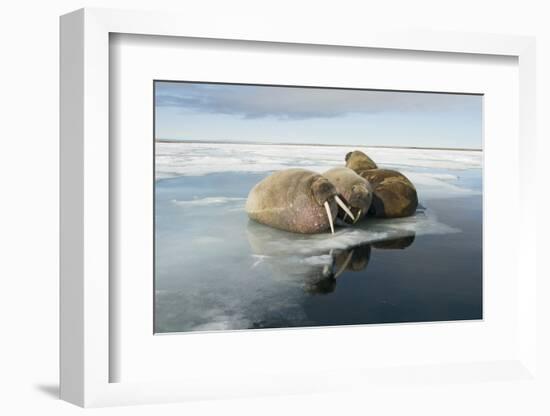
[273, 114]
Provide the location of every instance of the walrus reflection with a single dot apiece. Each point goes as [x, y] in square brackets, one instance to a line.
[355, 259]
[321, 287]
[396, 244]
[289, 257]
[308, 263]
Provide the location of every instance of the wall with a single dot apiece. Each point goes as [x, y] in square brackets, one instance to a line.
[29, 172]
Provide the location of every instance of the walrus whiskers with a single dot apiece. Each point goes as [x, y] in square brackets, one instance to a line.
[344, 207]
[329, 215]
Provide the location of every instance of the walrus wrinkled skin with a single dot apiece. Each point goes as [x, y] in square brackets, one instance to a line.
[359, 161]
[394, 195]
[355, 191]
[293, 200]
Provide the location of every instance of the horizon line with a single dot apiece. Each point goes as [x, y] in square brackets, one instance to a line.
[163, 140]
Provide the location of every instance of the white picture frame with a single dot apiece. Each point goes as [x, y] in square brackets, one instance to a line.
[86, 355]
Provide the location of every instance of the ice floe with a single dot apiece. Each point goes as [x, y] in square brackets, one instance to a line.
[266, 241]
[422, 166]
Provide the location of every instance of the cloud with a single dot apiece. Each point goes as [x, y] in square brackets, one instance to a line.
[294, 103]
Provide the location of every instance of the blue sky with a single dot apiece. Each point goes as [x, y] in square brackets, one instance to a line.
[225, 112]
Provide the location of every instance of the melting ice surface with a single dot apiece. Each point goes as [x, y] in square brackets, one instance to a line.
[216, 269]
[195, 159]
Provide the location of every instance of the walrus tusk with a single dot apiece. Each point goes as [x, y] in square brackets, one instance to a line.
[329, 215]
[343, 206]
[358, 216]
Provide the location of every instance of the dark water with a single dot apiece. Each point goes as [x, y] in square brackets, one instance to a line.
[215, 269]
[435, 278]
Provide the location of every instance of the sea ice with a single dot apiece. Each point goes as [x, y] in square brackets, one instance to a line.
[217, 270]
[422, 166]
[194, 159]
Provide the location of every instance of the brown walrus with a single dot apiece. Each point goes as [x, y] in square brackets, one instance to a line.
[394, 195]
[354, 190]
[359, 161]
[296, 200]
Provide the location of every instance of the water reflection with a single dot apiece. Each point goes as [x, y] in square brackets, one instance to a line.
[395, 244]
[304, 260]
[354, 259]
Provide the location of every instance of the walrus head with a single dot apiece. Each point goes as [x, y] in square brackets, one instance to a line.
[359, 161]
[361, 197]
[358, 202]
[324, 192]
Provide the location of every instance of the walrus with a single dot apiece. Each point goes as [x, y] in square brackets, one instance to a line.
[354, 190]
[394, 196]
[295, 200]
[359, 161]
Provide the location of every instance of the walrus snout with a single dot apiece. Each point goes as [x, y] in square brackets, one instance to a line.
[324, 193]
[354, 193]
[361, 197]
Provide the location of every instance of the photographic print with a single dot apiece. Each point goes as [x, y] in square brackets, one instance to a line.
[290, 206]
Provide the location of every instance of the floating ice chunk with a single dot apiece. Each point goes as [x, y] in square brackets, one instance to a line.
[268, 241]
